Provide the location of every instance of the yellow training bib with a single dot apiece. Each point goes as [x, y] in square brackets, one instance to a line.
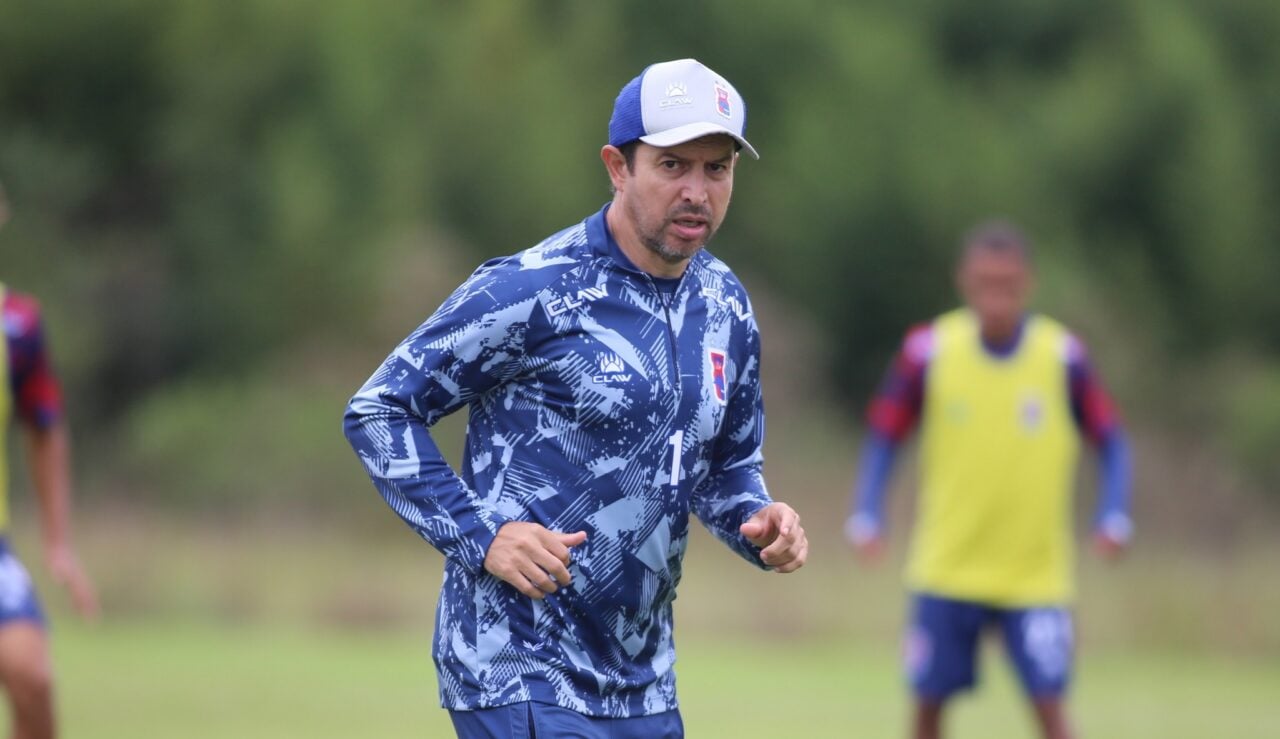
[998, 457]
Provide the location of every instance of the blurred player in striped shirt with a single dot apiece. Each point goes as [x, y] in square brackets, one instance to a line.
[31, 392]
[1001, 397]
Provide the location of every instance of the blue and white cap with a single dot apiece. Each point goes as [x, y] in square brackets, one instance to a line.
[674, 102]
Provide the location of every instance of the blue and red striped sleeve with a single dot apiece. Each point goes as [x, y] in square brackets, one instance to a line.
[1095, 412]
[1099, 421]
[892, 415]
[895, 409]
[37, 396]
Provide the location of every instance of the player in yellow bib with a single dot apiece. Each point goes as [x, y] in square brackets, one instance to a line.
[1001, 398]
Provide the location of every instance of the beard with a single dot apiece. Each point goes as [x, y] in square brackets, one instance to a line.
[653, 236]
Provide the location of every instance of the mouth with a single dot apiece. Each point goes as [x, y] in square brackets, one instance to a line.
[690, 227]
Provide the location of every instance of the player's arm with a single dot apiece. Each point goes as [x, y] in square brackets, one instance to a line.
[891, 417]
[473, 343]
[1113, 524]
[39, 405]
[1098, 419]
[733, 502]
[865, 526]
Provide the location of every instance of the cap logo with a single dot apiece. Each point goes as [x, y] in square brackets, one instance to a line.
[677, 94]
[722, 102]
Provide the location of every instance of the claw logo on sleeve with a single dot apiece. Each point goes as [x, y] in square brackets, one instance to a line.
[719, 385]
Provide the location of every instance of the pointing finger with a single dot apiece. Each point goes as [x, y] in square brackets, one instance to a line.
[559, 544]
[790, 520]
[572, 540]
[760, 529]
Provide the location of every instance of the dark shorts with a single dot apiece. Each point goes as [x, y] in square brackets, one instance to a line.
[545, 721]
[941, 646]
[18, 601]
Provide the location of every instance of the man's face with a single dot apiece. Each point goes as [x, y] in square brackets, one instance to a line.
[676, 197]
[996, 286]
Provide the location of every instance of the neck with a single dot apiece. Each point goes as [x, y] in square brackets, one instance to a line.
[999, 334]
[1001, 338]
[624, 233]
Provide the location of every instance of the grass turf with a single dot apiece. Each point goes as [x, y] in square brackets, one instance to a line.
[254, 630]
[206, 680]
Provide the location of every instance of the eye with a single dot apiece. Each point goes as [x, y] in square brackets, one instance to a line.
[717, 168]
[669, 164]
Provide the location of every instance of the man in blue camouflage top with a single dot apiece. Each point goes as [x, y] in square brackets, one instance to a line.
[612, 374]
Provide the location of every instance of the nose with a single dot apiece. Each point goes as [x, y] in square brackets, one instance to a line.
[695, 187]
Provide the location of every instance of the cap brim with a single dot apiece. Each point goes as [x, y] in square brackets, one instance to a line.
[690, 131]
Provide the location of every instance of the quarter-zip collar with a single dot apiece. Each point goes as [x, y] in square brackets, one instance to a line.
[602, 242]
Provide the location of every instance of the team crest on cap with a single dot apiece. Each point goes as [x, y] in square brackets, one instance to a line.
[719, 385]
[722, 101]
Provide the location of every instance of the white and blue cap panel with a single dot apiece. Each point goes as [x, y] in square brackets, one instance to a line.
[673, 102]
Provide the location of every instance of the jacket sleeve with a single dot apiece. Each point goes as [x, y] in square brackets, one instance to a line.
[734, 490]
[472, 344]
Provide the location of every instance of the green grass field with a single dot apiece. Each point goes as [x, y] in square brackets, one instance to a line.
[273, 627]
[193, 681]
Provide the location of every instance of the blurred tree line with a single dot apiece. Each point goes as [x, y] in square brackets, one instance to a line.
[203, 190]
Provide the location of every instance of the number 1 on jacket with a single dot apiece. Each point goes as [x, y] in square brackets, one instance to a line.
[677, 443]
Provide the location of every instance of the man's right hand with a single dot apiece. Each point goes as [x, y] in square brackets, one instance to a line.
[532, 558]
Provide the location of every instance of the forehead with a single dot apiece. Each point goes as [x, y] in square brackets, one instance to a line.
[713, 147]
[986, 258]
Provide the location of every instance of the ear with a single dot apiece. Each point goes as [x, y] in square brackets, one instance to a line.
[616, 165]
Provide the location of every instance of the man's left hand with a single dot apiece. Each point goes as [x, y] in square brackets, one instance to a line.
[776, 529]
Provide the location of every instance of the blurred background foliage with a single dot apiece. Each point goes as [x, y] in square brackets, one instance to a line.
[231, 210]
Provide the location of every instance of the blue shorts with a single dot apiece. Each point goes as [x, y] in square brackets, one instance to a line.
[18, 601]
[544, 721]
[941, 646]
